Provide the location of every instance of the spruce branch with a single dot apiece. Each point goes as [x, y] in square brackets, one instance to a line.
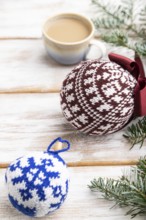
[136, 133]
[121, 18]
[140, 48]
[129, 190]
[118, 13]
[116, 37]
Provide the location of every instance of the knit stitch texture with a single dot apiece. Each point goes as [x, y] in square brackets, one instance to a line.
[97, 97]
[37, 184]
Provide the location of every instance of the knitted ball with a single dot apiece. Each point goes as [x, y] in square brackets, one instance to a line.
[37, 183]
[97, 97]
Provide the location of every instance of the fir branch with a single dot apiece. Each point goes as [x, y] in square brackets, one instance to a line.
[109, 189]
[136, 133]
[118, 13]
[104, 23]
[116, 37]
[121, 19]
[128, 190]
[140, 48]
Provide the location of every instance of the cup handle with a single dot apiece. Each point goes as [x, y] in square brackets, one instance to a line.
[96, 50]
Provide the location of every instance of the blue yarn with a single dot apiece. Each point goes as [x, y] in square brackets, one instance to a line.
[59, 139]
[26, 210]
[37, 179]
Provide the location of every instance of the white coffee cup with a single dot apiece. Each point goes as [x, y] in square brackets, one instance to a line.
[67, 37]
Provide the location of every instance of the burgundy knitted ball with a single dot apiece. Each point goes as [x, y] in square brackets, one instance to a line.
[97, 97]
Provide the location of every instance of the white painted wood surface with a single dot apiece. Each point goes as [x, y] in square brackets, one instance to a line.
[30, 113]
[29, 122]
[25, 67]
[81, 203]
[23, 19]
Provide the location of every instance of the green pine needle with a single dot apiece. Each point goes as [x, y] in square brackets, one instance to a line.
[129, 190]
[121, 18]
[116, 37]
[136, 133]
[140, 47]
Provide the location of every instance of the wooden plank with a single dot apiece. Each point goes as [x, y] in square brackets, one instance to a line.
[29, 122]
[81, 203]
[25, 67]
[18, 19]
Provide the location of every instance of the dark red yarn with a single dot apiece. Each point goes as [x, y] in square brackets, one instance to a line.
[128, 64]
[97, 97]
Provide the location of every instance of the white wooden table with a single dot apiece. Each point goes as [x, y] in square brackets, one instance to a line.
[31, 117]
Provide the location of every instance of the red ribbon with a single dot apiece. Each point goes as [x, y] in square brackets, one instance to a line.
[135, 67]
[126, 63]
[141, 80]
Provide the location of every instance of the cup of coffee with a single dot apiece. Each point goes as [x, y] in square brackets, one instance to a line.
[67, 37]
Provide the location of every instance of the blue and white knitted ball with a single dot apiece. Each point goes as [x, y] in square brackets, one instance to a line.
[38, 183]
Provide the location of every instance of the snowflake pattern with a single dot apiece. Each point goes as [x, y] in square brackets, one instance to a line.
[108, 90]
[105, 107]
[75, 108]
[101, 99]
[88, 81]
[83, 118]
[90, 72]
[69, 86]
[90, 90]
[95, 99]
[37, 189]
[117, 98]
[70, 98]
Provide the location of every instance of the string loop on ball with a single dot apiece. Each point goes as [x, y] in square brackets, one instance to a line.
[59, 139]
